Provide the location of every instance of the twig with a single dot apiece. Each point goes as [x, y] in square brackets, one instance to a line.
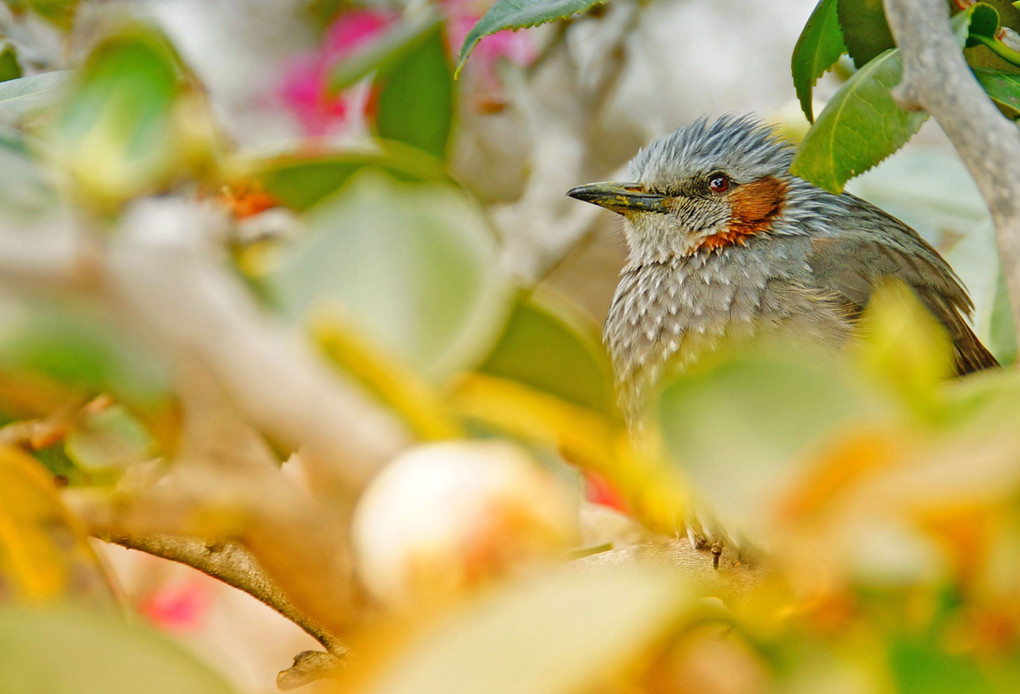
[235, 566]
[936, 79]
[309, 666]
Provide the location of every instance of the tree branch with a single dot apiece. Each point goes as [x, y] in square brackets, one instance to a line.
[235, 566]
[937, 79]
[164, 276]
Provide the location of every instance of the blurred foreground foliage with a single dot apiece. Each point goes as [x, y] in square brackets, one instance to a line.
[883, 497]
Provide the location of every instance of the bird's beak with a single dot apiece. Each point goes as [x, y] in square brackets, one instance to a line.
[620, 197]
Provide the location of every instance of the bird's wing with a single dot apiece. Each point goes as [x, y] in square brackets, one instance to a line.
[853, 263]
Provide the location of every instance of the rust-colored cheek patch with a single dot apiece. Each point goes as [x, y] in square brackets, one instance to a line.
[753, 207]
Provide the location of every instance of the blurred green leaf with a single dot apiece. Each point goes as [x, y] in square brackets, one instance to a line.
[22, 186]
[128, 125]
[415, 102]
[1002, 87]
[519, 14]
[412, 266]
[862, 124]
[389, 50]
[859, 127]
[21, 97]
[70, 651]
[548, 346]
[44, 555]
[1002, 330]
[302, 181]
[905, 346]
[77, 345]
[865, 31]
[740, 424]
[111, 438]
[568, 631]
[923, 668]
[819, 47]
[58, 12]
[10, 68]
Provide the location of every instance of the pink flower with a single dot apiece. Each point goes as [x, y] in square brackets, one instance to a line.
[305, 85]
[178, 606]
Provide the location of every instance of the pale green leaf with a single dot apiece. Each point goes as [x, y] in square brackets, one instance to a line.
[78, 345]
[562, 633]
[71, 651]
[412, 266]
[20, 98]
[741, 425]
[106, 440]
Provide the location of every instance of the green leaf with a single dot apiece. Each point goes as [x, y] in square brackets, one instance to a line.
[58, 12]
[978, 21]
[570, 631]
[381, 55]
[416, 97]
[865, 30]
[20, 98]
[301, 181]
[819, 47]
[410, 266]
[10, 68]
[925, 668]
[98, 654]
[78, 345]
[119, 133]
[739, 424]
[518, 14]
[109, 439]
[23, 187]
[905, 348]
[1002, 330]
[1000, 49]
[862, 124]
[552, 347]
[859, 127]
[1002, 87]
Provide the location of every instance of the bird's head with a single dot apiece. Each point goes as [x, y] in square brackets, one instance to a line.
[705, 187]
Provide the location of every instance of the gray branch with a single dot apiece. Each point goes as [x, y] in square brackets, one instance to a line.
[936, 79]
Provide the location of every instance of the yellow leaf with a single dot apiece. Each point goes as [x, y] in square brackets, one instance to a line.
[655, 490]
[393, 381]
[43, 554]
[905, 347]
[566, 632]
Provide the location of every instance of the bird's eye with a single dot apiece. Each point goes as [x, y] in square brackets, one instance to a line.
[718, 183]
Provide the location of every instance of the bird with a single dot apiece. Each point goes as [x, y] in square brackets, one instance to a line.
[724, 242]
